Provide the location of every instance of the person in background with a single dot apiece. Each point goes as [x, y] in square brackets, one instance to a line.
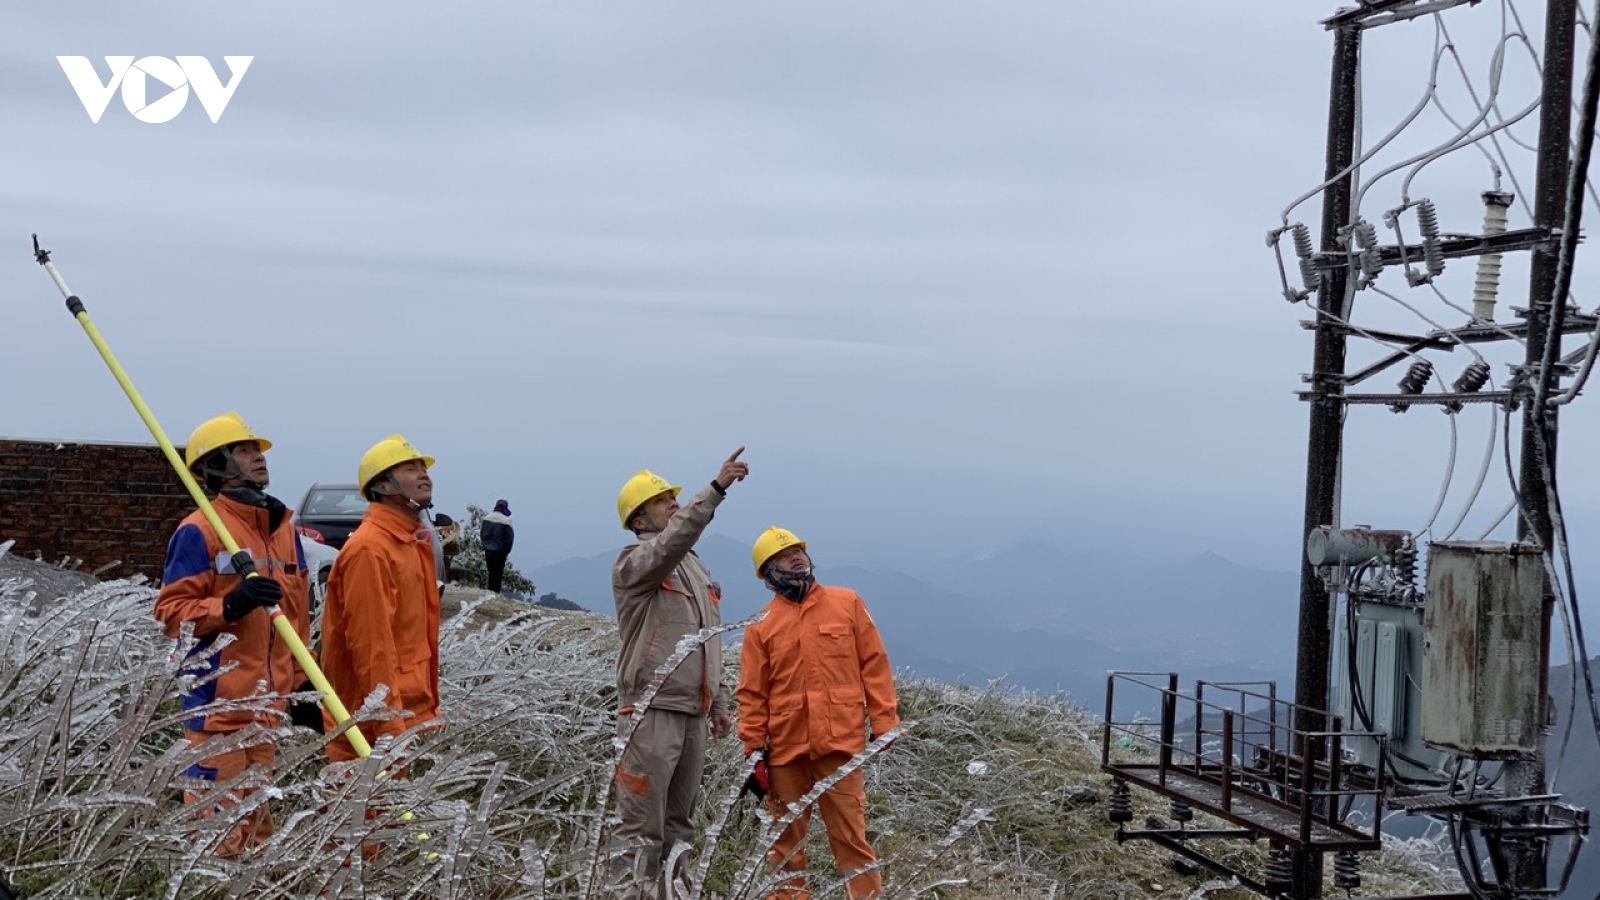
[497, 536]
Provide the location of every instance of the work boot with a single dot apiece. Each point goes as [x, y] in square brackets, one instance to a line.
[679, 883]
[636, 875]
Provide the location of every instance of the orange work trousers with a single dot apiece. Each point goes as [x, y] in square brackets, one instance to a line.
[255, 827]
[844, 815]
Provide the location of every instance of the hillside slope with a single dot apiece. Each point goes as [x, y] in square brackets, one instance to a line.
[512, 796]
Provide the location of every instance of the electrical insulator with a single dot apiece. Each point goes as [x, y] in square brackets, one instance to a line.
[1415, 379]
[1475, 376]
[1471, 380]
[1487, 285]
[1366, 237]
[1280, 871]
[1428, 223]
[1302, 249]
[1405, 568]
[1182, 812]
[1119, 808]
[1347, 869]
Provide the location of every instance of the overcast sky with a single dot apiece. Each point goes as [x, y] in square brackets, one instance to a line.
[957, 274]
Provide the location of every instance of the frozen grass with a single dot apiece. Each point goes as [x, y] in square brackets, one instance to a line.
[984, 799]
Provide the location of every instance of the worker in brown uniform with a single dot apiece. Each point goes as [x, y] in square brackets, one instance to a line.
[664, 593]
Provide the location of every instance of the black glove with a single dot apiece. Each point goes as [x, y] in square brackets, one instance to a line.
[306, 713]
[252, 593]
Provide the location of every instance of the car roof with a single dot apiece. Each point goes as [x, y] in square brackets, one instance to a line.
[333, 486]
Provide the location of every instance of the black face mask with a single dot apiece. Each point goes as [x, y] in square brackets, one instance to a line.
[792, 586]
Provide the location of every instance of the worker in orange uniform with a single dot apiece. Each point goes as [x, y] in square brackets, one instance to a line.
[664, 593]
[201, 587]
[814, 678]
[381, 622]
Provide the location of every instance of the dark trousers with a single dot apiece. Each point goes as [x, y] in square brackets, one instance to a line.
[497, 569]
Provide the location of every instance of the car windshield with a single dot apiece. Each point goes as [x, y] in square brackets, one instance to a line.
[335, 502]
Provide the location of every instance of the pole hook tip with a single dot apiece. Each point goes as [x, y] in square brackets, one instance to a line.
[40, 255]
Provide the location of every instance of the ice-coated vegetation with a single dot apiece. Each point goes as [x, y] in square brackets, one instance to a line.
[992, 794]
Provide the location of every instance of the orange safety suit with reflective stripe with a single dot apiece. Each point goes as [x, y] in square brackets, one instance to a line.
[814, 677]
[381, 623]
[198, 574]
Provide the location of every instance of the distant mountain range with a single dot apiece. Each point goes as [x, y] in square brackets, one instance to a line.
[1032, 616]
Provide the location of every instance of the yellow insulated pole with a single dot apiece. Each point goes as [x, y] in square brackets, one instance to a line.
[241, 561]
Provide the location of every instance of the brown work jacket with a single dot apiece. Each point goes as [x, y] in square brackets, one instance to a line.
[664, 592]
[814, 675]
[381, 624]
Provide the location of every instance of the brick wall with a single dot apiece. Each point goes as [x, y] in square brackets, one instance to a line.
[96, 502]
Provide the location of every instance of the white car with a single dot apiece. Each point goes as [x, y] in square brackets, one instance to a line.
[319, 564]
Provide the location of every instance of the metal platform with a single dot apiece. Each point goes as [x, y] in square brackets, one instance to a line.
[1284, 824]
[1239, 757]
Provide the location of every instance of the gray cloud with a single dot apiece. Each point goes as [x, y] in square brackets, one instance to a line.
[1019, 246]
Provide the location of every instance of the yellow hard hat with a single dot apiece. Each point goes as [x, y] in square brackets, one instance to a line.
[214, 434]
[639, 490]
[385, 455]
[771, 542]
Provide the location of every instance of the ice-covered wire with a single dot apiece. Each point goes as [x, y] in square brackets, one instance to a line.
[1496, 68]
[1492, 326]
[1449, 472]
[1538, 410]
[1405, 123]
[1463, 132]
[1538, 66]
[1444, 487]
[1510, 506]
[1572, 621]
[1450, 146]
[1436, 326]
[1495, 169]
[1483, 474]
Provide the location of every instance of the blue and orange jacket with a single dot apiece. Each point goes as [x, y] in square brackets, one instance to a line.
[381, 624]
[198, 574]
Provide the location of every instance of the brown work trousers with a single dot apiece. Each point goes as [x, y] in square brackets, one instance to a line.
[658, 785]
[844, 814]
[256, 826]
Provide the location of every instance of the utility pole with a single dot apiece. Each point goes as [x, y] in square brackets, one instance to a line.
[1327, 412]
[1526, 858]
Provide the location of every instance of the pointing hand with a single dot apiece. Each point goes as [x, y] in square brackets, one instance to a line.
[732, 470]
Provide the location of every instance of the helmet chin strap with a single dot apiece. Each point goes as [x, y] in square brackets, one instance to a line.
[400, 492]
[230, 470]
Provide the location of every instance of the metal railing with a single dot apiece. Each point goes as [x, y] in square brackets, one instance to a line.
[1231, 749]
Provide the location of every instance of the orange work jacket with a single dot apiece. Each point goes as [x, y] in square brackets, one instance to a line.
[198, 574]
[813, 676]
[381, 623]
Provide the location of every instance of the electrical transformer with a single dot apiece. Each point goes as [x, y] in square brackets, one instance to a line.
[1482, 649]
